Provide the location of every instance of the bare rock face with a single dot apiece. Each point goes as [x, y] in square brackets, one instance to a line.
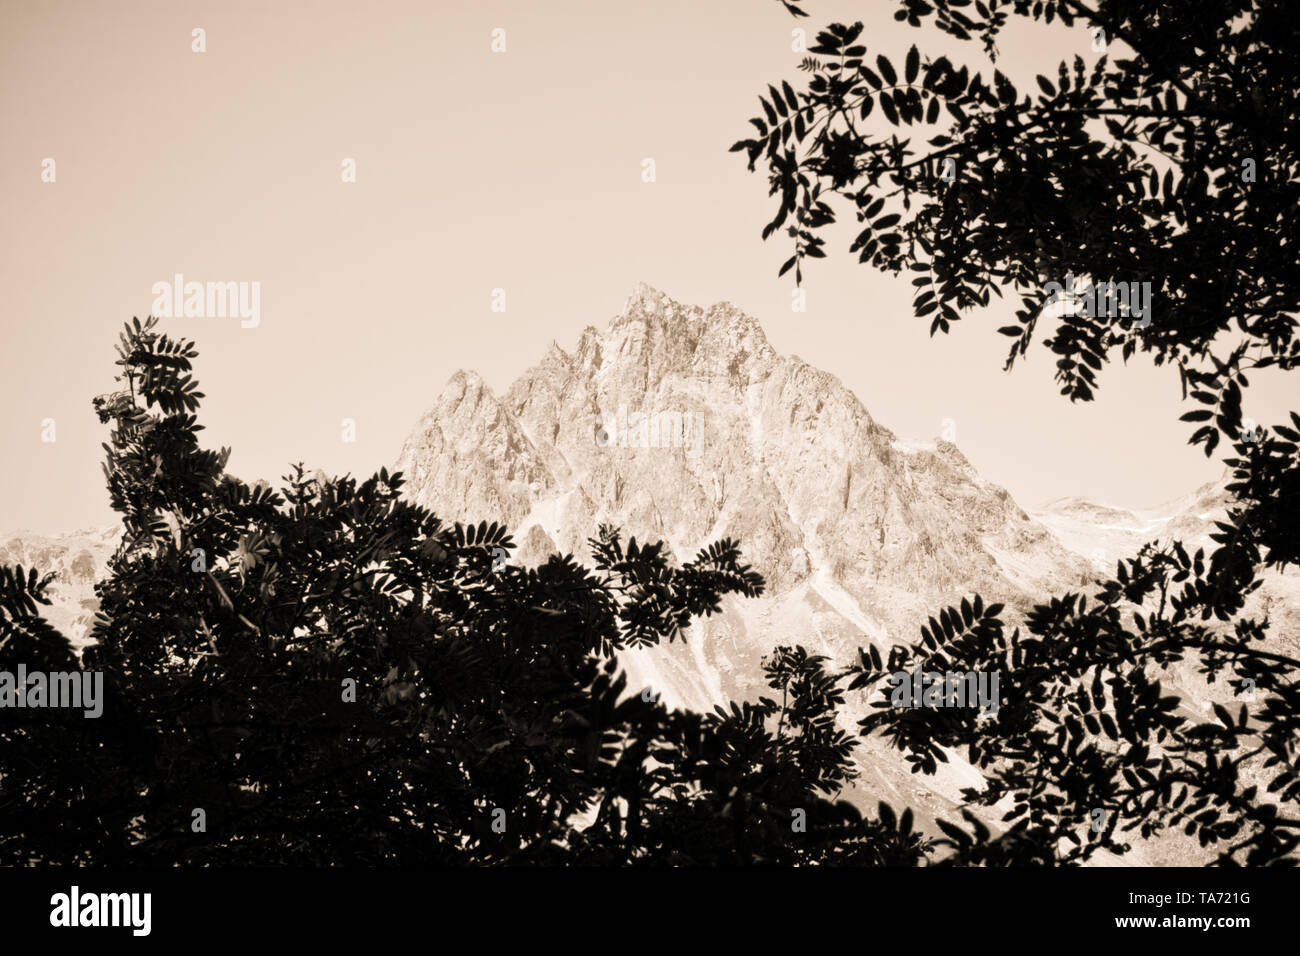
[472, 449]
[683, 424]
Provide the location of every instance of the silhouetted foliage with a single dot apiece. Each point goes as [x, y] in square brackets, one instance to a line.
[1178, 166]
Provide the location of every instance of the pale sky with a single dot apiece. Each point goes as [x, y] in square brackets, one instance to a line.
[474, 171]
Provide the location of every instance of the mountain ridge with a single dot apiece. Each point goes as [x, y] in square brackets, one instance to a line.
[776, 427]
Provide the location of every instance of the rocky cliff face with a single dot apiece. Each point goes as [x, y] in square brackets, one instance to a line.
[683, 424]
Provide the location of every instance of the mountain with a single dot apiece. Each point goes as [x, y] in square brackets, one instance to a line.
[1105, 534]
[770, 450]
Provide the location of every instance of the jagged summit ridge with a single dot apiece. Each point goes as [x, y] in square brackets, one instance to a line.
[768, 449]
[653, 324]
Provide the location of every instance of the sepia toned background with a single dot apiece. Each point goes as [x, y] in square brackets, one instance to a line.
[475, 171]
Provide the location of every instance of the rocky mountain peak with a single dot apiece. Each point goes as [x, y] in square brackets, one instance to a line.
[682, 423]
[670, 332]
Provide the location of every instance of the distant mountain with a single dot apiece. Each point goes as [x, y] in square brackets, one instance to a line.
[1105, 534]
[779, 454]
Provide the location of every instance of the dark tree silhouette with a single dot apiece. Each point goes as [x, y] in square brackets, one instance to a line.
[329, 674]
[1175, 163]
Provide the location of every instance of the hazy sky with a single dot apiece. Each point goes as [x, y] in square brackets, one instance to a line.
[474, 171]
